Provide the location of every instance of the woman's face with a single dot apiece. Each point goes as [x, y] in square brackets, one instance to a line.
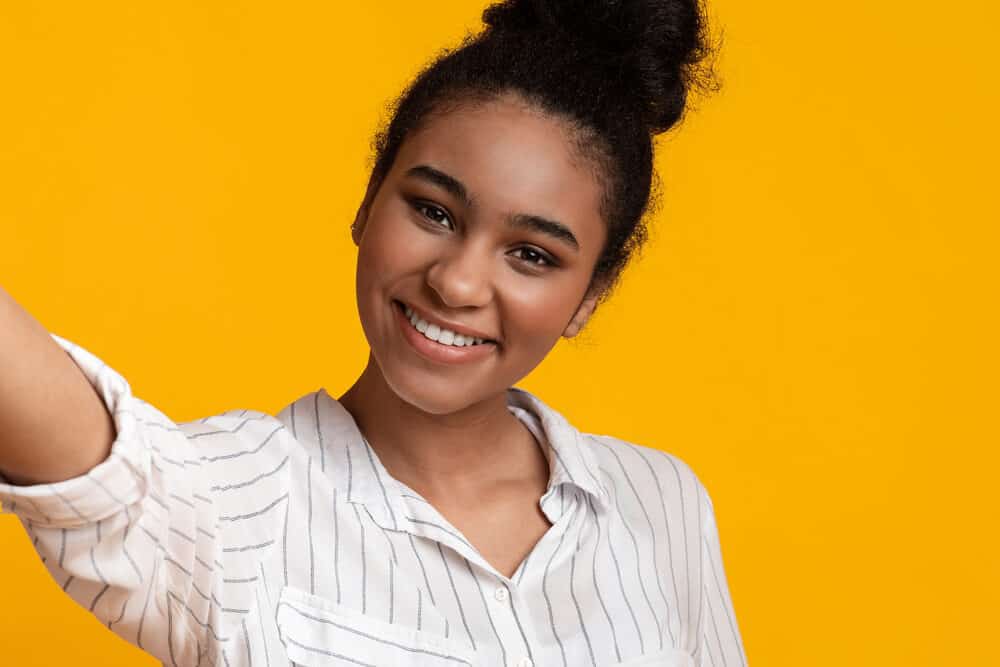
[488, 224]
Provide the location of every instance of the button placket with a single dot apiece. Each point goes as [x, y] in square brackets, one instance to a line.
[508, 626]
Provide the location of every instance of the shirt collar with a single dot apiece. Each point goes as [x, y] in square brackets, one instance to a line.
[333, 440]
[571, 460]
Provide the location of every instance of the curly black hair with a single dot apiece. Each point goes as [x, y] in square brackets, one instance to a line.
[617, 71]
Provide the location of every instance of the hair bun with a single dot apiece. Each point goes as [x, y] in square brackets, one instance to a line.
[584, 21]
[653, 51]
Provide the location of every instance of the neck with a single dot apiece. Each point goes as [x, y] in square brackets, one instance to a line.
[457, 454]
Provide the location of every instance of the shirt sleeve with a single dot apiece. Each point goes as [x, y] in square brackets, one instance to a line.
[719, 640]
[134, 539]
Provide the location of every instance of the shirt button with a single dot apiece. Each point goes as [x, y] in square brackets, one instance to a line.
[524, 662]
[501, 595]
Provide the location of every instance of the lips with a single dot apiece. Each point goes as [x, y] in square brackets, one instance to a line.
[456, 330]
[439, 353]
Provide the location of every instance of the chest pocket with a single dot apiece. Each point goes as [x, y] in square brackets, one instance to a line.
[317, 632]
[669, 658]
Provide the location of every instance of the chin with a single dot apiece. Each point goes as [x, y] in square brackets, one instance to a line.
[436, 397]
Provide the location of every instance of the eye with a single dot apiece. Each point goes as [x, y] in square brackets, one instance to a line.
[534, 257]
[433, 213]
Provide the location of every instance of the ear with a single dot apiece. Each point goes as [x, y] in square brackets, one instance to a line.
[361, 217]
[583, 312]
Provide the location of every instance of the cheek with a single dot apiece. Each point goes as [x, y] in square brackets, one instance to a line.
[541, 311]
[391, 247]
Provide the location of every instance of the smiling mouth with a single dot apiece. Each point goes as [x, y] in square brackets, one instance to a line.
[436, 333]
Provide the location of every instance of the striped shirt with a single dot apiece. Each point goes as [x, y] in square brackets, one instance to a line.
[248, 539]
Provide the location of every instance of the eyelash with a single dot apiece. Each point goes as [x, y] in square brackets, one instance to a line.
[419, 205]
[547, 261]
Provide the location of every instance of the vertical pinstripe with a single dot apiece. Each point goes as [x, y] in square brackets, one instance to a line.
[576, 605]
[319, 435]
[336, 546]
[350, 471]
[700, 577]
[548, 600]
[625, 595]
[638, 558]
[363, 558]
[486, 609]
[170, 633]
[210, 498]
[392, 590]
[666, 524]
[458, 598]
[97, 571]
[597, 586]
[246, 639]
[423, 570]
[520, 628]
[312, 558]
[684, 531]
[284, 543]
[260, 621]
[420, 609]
[378, 478]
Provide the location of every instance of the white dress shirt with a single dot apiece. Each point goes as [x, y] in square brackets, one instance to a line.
[246, 539]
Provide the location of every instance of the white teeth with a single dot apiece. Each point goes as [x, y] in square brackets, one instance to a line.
[436, 333]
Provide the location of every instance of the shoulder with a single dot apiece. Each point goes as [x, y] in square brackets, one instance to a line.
[631, 470]
[620, 457]
[237, 425]
[607, 457]
[248, 435]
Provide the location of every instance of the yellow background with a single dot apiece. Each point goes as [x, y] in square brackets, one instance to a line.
[813, 327]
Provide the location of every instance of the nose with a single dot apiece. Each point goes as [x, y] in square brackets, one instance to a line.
[462, 277]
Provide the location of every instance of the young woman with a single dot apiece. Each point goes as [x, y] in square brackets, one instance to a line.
[433, 514]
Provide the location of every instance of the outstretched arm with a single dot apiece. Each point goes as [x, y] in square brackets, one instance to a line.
[141, 533]
[53, 424]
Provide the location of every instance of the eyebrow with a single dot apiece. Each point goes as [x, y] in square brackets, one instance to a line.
[457, 189]
[556, 230]
[448, 183]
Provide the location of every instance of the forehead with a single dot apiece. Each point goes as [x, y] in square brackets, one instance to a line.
[511, 157]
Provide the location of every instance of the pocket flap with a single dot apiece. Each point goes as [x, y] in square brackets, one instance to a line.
[318, 632]
[668, 658]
